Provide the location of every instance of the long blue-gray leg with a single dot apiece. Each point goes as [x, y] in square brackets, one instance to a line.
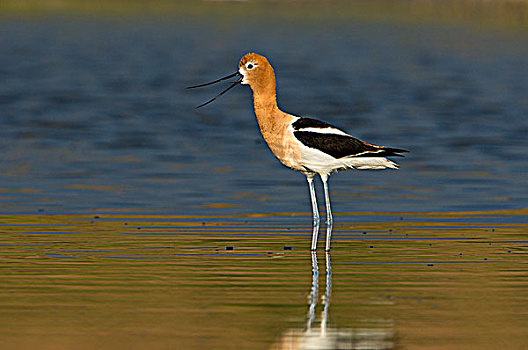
[315, 211]
[329, 219]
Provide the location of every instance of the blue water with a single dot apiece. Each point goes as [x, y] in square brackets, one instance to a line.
[94, 114]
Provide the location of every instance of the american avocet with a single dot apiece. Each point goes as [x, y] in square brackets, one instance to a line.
[307, 145]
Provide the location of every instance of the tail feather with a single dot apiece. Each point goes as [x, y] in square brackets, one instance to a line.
[395, 152]
[392, 152]
[370, 163]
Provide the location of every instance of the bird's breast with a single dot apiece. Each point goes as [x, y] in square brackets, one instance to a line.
[278, 134]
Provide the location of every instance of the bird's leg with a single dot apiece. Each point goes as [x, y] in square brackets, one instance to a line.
[315, 210]
[313, 198]
[329, 219]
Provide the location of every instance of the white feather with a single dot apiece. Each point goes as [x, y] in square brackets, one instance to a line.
[324, 131]
[370, 163]
[322, 163]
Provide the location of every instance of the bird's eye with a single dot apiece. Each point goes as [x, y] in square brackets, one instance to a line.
[250, 66]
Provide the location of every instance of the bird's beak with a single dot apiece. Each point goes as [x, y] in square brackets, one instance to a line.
[236, 82]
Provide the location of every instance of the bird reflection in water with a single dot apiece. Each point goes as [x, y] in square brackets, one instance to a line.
[324, 337]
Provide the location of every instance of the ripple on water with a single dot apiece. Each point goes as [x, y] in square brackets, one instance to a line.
[156, 279]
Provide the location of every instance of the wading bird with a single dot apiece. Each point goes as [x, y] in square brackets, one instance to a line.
[307, 145]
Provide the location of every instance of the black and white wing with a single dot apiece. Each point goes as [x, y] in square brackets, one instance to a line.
[326, 138]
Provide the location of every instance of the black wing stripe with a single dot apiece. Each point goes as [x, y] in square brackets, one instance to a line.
[303, 123]
[339, 146]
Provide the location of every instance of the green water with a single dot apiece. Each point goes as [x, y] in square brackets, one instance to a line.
[111, 280]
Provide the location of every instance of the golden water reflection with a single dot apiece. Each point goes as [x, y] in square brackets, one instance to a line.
[323, 337]
[107, 279]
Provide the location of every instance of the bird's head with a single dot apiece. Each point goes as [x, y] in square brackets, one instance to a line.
[253, 70]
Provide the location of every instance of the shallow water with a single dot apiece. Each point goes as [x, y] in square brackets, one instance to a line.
[428, 281]
[131, 220]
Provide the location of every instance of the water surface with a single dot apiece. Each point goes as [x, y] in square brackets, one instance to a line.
[95, 114]
[433, 281]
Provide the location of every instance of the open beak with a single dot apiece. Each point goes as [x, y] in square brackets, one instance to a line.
[236, 82]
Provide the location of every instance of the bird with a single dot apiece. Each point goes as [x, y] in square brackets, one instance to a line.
[309, 146]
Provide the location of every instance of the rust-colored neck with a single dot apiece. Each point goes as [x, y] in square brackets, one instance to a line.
[264, 90]
[265, 100]
[266, 108]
